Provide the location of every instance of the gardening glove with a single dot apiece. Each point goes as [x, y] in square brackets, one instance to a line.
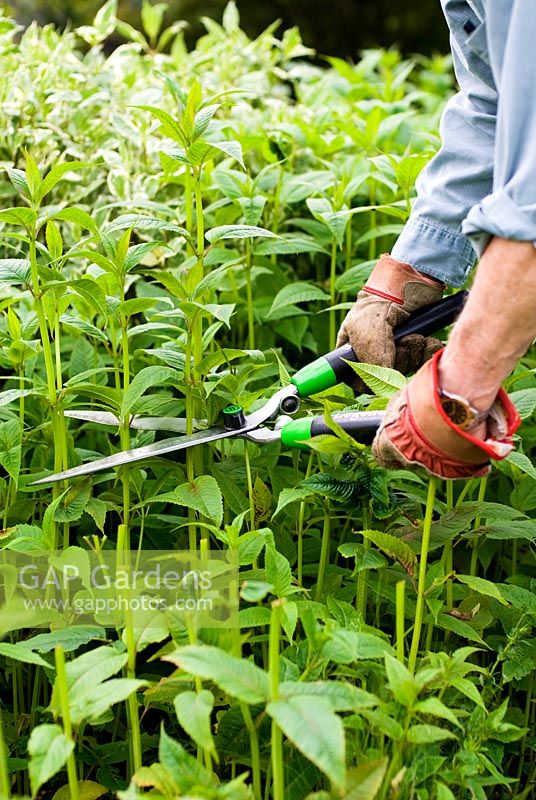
[416, 431]
[393, 291]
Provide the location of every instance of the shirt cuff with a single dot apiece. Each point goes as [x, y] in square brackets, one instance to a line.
[498, 215]
[436, 251]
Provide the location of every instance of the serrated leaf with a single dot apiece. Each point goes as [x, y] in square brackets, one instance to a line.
[299, 292]
[238, 677]
[428, 734]
[394, 548]
[55, 176]
[49, 750]
[383, 381]
[143, 380]
[482, 586]
[193, 712]
[365, 781]
[203, 495]
[278, 571]
[316, 730]
[238, 232]
[11, 448]
[15, 270]
[344, 646]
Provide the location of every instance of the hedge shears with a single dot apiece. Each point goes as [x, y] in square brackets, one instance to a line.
[321, 374]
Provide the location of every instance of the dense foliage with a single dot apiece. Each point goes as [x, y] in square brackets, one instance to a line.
[179, 232]
[342, 27]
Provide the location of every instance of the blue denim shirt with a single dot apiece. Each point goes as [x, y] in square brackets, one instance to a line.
[482, 181]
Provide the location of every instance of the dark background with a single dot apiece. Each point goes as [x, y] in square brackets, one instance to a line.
[334, 27]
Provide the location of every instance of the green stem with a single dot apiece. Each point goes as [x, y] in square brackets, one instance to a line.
[332, 295]
[254, 747]
[132, 702]
[361, 589]
[400, 619]
[5, 783]
[474, 551]
[301, 520]
[419, 611]
[324, 553]
[448, 550]
[249, 481]
[124, 432]
[63, 691]
[249, 296]
[273, 670]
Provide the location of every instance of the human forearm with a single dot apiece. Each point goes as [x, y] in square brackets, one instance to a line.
[496, 326]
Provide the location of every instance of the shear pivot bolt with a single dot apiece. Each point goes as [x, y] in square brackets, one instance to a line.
[233, 418]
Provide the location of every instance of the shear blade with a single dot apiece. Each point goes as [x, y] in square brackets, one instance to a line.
[126, 457]
[174, 424]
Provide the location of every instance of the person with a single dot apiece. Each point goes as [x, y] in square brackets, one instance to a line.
[476, 196]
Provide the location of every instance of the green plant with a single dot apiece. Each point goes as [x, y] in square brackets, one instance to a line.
[171, 242]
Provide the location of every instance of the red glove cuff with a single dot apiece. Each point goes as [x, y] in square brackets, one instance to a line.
[421, 433]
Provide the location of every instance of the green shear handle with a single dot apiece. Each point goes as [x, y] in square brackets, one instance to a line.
[332, 368]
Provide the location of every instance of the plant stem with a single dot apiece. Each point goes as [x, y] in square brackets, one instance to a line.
[474, 551]
[249, 296]
[448, 551]
[250, 488]
[419, 611]
[361, 589]
[273, 669]
[324, 553]
[332, 295]
[5, 783]
[63, 691]
[400, 619]
[301, 519]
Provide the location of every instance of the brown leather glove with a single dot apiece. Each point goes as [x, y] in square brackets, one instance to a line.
[416, 431]
[393, 291]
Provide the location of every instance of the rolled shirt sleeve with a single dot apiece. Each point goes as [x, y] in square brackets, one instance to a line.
[509, 211]
[460, 175]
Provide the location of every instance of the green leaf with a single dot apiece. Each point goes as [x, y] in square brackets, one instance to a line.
[342, 696]
[400, 681]
[383, 381]
[87, 790]
[70, 638]
[316, 730]
[168, 126]
[11, 448]
[365, 781]
[238, 232]
[77, 216]
[145, 379]
[428, 734]
[482, 586]
[522, 462]
[394, 548]
[73, 502]
[290, 245]
[299, 292]
[24, 217]
[525, 402]
[152, 17]
[278, 572]
[203, 495]
[18, 652]
[55, 176]
[344, 646]
[288, 496]
[49, 750]
[15, 270]
[236, 676]
[193, 712]
[433, 707]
